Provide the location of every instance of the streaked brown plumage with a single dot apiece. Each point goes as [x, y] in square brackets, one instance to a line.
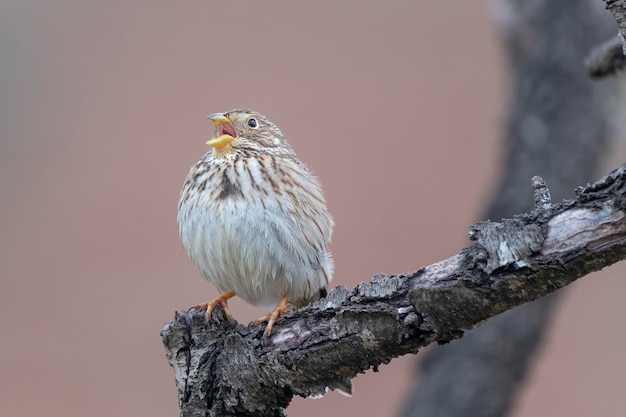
[253, 218]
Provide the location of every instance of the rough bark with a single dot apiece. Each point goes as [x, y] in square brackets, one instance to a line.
[225, 369]
[556, 128]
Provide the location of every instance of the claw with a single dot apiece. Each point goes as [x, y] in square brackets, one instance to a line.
[271, 317]
[221, 301]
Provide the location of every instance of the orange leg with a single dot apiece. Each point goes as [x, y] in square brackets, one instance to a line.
[271, 317]
[222, 301]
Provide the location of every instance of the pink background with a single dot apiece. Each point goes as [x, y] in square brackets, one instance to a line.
[397, 107]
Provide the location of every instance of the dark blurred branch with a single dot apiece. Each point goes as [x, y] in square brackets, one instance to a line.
[224, 369]
[609, 57]
[556, 128]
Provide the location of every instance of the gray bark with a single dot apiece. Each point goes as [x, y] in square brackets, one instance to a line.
[225, 369]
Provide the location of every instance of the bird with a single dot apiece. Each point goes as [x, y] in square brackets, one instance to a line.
[253, 219]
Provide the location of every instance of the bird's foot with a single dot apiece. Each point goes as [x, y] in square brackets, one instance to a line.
[221, 301]
[271, 317]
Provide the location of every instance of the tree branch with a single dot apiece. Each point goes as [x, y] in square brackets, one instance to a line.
[558, 124]
[610, 57]
[225, 369]
[618, 10]
[606, 59]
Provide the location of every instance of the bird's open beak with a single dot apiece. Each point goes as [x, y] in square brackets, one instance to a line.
[225, 131]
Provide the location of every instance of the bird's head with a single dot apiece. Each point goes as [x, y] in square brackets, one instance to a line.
[246, 130]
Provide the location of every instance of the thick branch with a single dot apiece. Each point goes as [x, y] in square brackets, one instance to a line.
[227, 369]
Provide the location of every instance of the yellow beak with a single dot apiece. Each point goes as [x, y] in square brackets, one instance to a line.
[225, 131]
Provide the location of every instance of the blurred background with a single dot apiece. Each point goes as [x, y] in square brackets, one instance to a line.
[397, 106]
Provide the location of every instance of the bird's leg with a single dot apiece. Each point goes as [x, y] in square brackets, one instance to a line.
[222, 301]
[271, 317]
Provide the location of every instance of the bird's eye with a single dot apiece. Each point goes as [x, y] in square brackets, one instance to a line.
[252, 122]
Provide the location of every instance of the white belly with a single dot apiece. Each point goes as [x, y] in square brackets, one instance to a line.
[260, 252]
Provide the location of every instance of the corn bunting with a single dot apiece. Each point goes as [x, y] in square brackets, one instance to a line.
[253, 219]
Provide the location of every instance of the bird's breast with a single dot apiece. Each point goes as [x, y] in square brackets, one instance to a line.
[256, 231]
